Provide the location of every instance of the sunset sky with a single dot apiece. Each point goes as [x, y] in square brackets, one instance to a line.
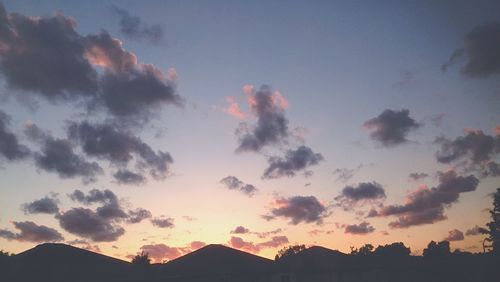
[166, 125]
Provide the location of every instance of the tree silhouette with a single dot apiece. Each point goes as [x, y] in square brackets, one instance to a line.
[141, 260]
[363, 251]
[290, 250]
[437, 250]
[494, 226]
[394, 250]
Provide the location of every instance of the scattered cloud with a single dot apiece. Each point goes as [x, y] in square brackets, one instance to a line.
[298, 209]
[261, 235]
[345, 174]
[416, 176]
[272, 125]
[455, 235]
[426, 205]
[391, 127]
[316, 232]
[134, 27]
[125, 176]
[233, 183]
[359, 229]
[31, 232]
[274, 242]
[161, 252]
[48, 205]
[479, 53]
[138, 215]
[240, 230]
[234, 108]
[163, 222]
[48, 58]
[364, 192]
[476, 230]
[294, 161]
[59, 156]
[88, 224]
[107, 141]
[10, 148]
[476, 151]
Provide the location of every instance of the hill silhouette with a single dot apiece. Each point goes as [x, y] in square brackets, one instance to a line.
[218, 263]
[60, 262]
[213, 260]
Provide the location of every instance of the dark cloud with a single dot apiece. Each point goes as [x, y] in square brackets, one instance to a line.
[299, 209]
[240, 230]
[125, 176]
[32, 232]
[110, 205]
[416, 176]
[359, 229]
[47, 57]
[10, 148]
[134, 27]
[391, 128]
[476, 230]
[57, 155]
[272, 125]
[293, 162]
[128, 88]
[475, 150]
[88, 224]
[454, 235]
[44, 205]
[138, 215]
[480, 52]
[107, 141]
[6, 234]
[163, 222]
[372, 213]
[364, 192]
[425, 206]
[233, 183]
[94, 196]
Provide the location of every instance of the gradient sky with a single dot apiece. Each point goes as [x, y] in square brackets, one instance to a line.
[338, 72]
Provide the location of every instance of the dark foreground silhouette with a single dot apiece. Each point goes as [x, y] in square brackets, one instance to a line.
[60, 262]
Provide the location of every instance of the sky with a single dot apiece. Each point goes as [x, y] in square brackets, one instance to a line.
[166, 125]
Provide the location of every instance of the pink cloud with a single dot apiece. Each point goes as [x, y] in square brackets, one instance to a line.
[234, 109]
